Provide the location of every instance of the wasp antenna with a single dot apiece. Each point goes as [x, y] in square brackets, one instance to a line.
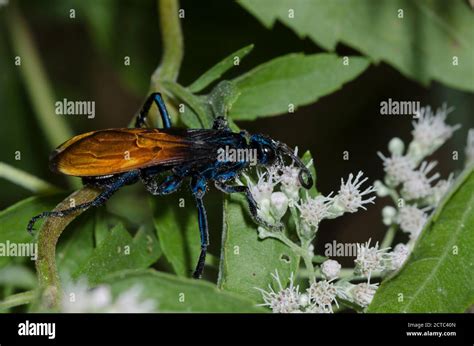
[304, 176]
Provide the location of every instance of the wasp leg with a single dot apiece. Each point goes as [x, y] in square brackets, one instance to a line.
[142, 116]
[171, 184]
[198, 188]
[98, 201]
[220, 123]
[253, 206]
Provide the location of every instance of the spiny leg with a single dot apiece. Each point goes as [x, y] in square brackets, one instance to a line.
[198, 188]
[98, 201]
[253, 206]
[169, 185]
[142, 116]
[220, 123]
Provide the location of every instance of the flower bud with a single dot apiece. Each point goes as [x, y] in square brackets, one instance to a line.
[278, 205]
[380, 189]
[388, 215]
[396, 146]
[330, 269]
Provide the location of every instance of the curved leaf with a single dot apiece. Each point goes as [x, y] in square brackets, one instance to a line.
[219, 69]
[175, 294]
[247, 262]
[295, 79]
[14, 219]
[120, 251]
[422, 44]
[176, 224]
[439, 274]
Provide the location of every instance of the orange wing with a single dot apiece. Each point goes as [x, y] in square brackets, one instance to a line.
[117, 150]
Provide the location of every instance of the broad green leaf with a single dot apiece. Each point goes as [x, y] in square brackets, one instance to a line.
[293, 79]
[174, 294]
[247, 262]
[422, 44]
[439, 274]
[219, 69]
[14, 219]
[101, 230]
[119, 252]
[175, 219]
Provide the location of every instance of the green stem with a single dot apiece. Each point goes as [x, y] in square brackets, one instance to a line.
[172, 37]
[299, 250]
[48, 237]
[24, 179]
[36, 82]
[296, 219]
[17, 300]
[173, 52]
[389, 236]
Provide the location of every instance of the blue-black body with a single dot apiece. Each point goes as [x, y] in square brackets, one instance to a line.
[196, 159]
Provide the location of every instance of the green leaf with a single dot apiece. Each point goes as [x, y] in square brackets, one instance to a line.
[295, 79]
[178, 231]
[438, 275]
[246, 261]
[18, 276]
[174, 294]
[119, 252]
[421, 45]
[222, 97]
[197, 105]
[219, 69]
[14, 219]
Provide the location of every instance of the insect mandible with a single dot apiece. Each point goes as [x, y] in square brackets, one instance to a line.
[162, 159]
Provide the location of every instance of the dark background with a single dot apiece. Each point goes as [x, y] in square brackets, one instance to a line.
[83, 58]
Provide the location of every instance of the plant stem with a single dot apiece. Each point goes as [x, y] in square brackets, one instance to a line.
[173, 52]
[36, 82]
[299, 250]
[48, 237]
[18, 299]
[24, 179]
[172, 38]
[389, 236]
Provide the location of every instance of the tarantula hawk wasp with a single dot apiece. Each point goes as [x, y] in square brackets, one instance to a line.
[98, 158]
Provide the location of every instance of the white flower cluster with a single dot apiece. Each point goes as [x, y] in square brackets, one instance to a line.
[319, 297]
[349, 199]
[78, 298]
[430, 131]
[410, 181]
[371, 259]
[279, 188]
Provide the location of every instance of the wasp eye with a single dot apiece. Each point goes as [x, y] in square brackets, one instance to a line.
[268, 154]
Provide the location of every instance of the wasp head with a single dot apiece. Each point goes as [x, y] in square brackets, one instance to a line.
[270, 151]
